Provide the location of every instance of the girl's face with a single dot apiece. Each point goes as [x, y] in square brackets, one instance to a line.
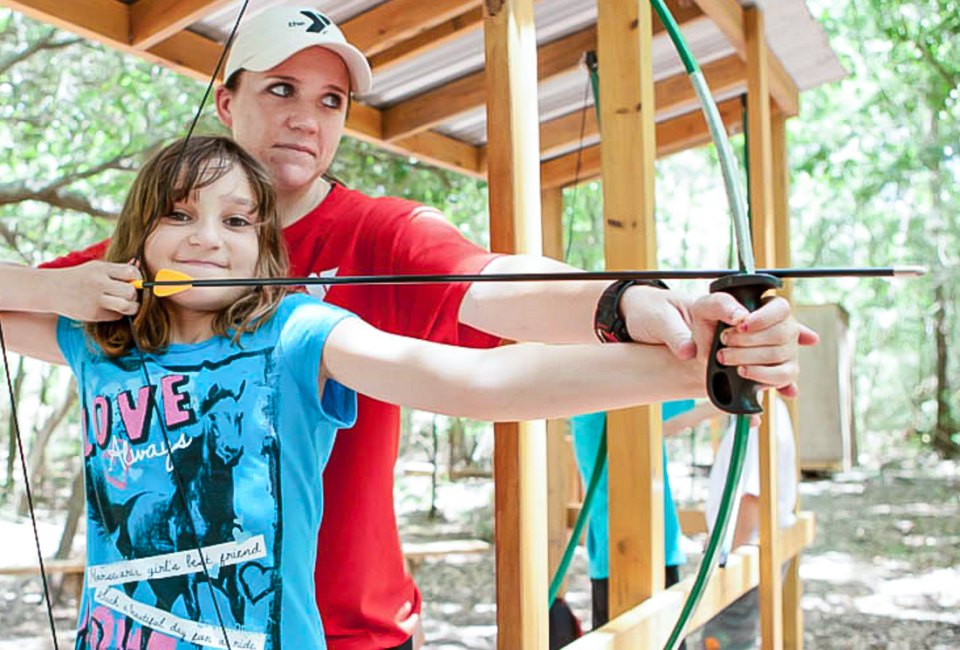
[290, 117]
[212, 233]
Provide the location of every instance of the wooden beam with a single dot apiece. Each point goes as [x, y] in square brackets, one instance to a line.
[648, 625]
[104, 21]
[466, 93]
[394, 21]
[153, 21]
[551, 226]
[674, 135]
[514, 199]
[429, 39]
[762, 222]
[728, 17]
[628, 152]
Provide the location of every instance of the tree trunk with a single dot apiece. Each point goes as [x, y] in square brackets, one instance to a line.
[38, 449]
[11, 433]
[946, 424]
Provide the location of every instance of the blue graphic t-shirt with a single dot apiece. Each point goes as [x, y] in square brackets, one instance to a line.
[250, 435]
[586, 431]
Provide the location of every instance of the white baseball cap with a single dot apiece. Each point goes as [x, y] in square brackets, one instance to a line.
[270, 38]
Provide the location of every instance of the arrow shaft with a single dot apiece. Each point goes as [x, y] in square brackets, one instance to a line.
[681, 274]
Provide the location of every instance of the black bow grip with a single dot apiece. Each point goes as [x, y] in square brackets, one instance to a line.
[727, 390]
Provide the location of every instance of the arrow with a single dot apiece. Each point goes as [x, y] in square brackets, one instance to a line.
[168, 282]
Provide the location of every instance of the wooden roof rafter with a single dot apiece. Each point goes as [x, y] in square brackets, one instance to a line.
[557, 57]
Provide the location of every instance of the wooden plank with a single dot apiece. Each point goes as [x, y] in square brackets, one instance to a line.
[104, 21]
[427, 40]
[551, 226]
[781, 202]
[628, 152]
[677, 134]
[514, 199]
[153, 21]
[648, 625]
[392, 22]
[762, 221]
[728, 16]
[693, 521]
[51, 566]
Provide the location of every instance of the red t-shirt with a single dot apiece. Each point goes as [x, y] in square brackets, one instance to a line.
[361, 579]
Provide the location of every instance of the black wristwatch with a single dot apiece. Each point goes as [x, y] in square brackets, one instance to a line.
[608, 321]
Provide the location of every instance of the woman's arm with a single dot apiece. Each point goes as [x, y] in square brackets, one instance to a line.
[32, 335]
[94, 291]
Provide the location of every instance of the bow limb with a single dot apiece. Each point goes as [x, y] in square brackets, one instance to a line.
[727, 390]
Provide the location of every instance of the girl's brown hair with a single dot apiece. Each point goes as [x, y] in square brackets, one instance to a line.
[168, 177]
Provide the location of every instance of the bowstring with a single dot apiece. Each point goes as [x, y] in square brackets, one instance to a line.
[26, 484]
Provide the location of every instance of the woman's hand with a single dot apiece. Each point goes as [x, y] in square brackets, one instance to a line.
[95, 291]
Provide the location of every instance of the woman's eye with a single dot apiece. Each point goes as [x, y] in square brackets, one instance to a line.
[280, 89]
[332, 100]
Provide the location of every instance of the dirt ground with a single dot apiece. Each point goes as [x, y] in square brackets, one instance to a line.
[883, 573]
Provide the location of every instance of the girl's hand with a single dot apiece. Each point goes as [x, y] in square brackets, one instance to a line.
[95, 291]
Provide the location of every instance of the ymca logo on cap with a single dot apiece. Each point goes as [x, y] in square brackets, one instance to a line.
[318, 22]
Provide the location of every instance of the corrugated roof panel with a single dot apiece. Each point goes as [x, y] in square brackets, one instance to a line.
[219, 23]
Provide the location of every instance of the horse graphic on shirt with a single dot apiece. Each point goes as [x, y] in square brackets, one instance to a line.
[152, 523]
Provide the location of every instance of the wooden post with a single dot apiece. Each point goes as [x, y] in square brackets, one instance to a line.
[514, 197]
[551, 224]
[762, 212]
[628, 148]
[792, 586]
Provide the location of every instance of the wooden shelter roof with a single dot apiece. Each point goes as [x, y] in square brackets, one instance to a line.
[428, 98]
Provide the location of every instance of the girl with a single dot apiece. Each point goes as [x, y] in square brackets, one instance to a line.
[207, 420]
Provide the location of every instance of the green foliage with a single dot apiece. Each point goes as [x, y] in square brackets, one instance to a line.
[875, 182]
[75, 121]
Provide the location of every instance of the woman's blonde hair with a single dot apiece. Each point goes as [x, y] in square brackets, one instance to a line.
[168, 177]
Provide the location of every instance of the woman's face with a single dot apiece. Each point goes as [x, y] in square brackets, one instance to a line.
[290, 117]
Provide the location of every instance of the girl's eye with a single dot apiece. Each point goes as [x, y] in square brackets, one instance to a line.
[238, 221]
[178, 216]
[280, 89]
[332, 100]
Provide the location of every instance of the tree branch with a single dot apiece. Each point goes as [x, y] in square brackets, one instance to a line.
[58, 198]
[45, 43]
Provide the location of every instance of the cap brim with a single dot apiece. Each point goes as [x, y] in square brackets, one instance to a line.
[361, 77]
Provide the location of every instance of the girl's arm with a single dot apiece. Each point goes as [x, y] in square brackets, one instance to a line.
[32, 335]
[515, 382]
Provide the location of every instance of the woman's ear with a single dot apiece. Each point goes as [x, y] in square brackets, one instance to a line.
[224, 100]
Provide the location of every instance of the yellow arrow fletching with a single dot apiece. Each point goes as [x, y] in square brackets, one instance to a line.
[169, 275]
